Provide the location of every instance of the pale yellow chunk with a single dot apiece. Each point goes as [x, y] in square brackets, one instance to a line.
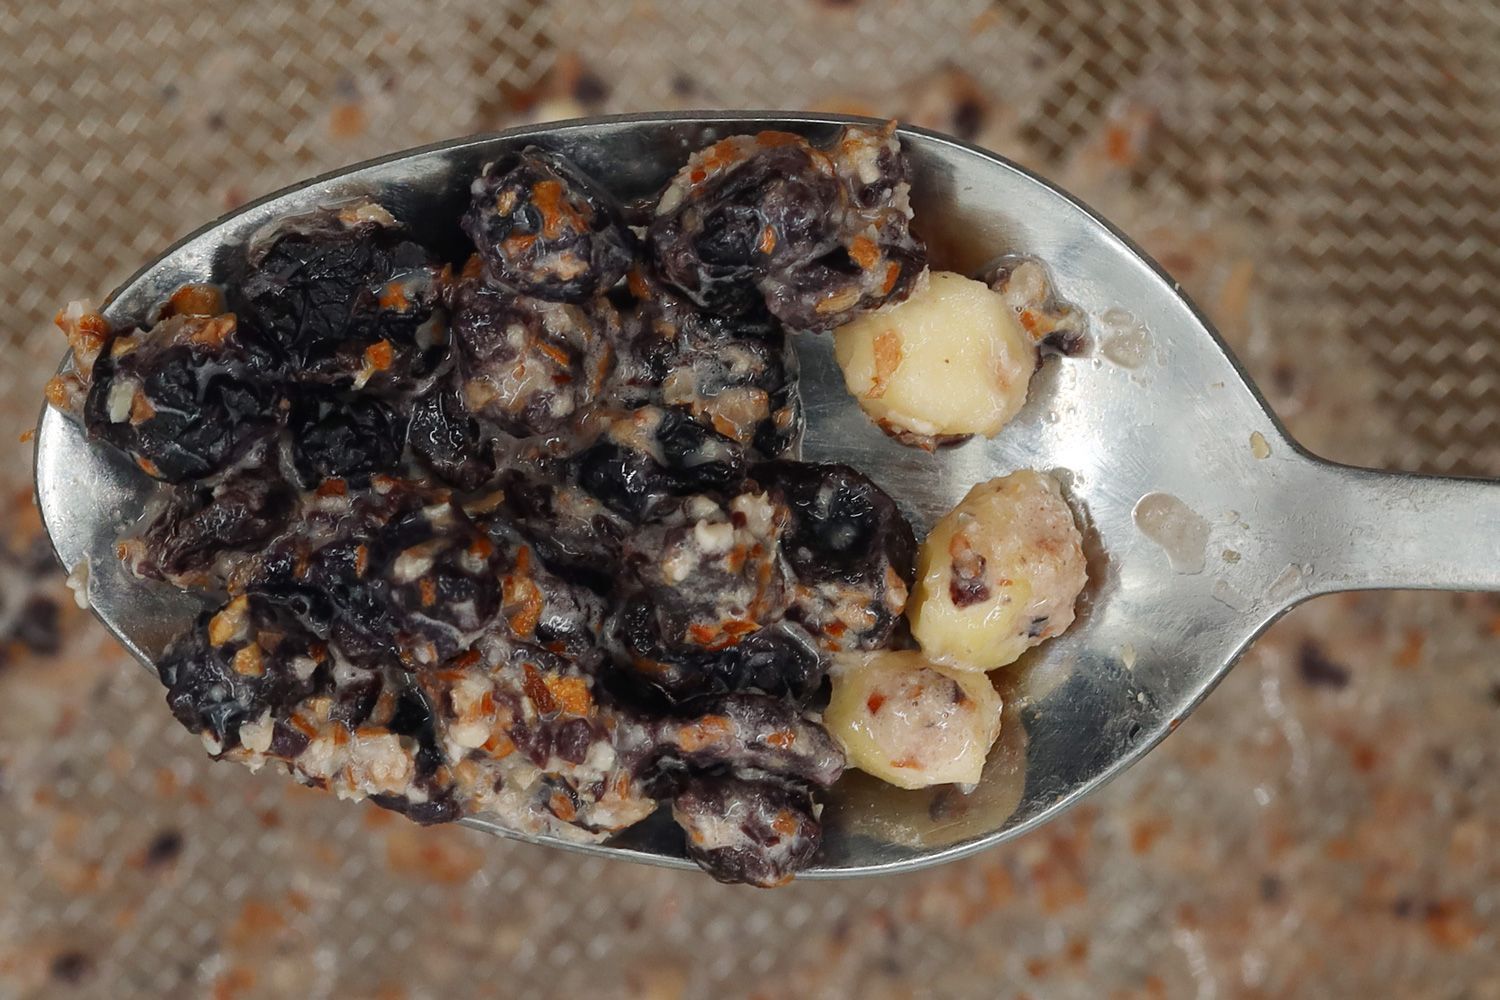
[909, 721]
[950, 360]
[998, 574]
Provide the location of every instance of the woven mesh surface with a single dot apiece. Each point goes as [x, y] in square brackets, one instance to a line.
[1322, 178]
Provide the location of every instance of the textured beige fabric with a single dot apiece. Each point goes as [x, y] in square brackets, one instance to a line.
[1320, 175]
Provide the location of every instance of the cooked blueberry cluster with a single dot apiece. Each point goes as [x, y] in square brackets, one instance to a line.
[519, 535]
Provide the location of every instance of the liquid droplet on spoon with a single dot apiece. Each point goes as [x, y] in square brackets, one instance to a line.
[1180, 531]
[1125, 341]
[1259, 447]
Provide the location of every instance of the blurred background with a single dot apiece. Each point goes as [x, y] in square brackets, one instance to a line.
[1320, 176]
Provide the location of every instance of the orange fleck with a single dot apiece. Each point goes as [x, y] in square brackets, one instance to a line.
[517, 243]
[709, 731]
[1144, 833]
[1341, 849]
[888, 357]
[1451, 926]
[537, 690]
[447, 856]
[429, 592]
[331, 488]
[1117, 145]
[141, 409]
[1410, 654]
[636, 281]
[499, 746]
[393, 296]
[562, 807]
[557, 354]
[785, 823]
[379, 355]
[767, 240]
[255, 922]
[196, 300]
[892, 272]
[874, 702]
[549, 200]
[781, 739]
[148, 467]
[232, 982]
[57, 390]
[772, 139]
[864, 252]
[906, 762]
[525, 598]
[361, 559]
[570, 693]
[248, 662]
[346, 121]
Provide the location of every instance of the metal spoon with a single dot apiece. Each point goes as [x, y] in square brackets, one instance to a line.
[1205, 521]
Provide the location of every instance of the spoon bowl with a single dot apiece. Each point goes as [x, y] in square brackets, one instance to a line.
[1204, 521]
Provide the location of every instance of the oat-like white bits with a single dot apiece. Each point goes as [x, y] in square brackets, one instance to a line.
[952, 360]
[998, 574]
[909, 721]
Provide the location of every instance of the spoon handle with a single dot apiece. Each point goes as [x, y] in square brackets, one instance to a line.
[1365, 529]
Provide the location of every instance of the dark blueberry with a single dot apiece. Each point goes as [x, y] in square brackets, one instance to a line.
[740, 210]
[528, 366]
[344, 436]
[712, 574]
[781, 659]
[574, 534]
[187, 542]
[850, 549]
[440, 576]
[186, 398]
[348, 299]
[815, 236]
[545, 229]
[653, 454]
[759, 831]
[733, 375]
[444, 435]
[248, 660]
[750, 731]
[540, 607]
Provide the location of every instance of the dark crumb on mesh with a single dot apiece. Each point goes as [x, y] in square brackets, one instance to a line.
[163, 849]
[1317, 670]
[968, 117]
[1495, 694]
[590, 88]
[71, 967]
[1270, 888]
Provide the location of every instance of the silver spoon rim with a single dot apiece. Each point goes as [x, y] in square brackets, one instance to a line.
[757, 118]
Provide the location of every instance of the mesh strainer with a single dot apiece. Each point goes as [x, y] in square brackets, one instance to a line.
[1321, 176]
